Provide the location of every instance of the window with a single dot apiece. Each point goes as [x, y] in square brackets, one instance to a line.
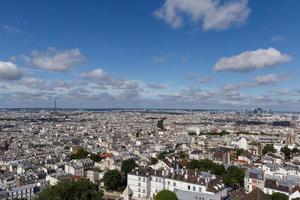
[194, 188]
[143, 190]
[200, 189]
[139, 178]
[174, 183]
[139, 184]
[189, 187]
[168, 182]
[143, 179]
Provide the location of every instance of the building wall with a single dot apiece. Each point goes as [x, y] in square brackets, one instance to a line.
[139, 185]
[147, 187]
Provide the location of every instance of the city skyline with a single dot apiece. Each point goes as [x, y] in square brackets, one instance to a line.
[206, 54]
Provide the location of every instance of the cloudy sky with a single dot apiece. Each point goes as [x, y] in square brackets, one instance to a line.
[205, 54]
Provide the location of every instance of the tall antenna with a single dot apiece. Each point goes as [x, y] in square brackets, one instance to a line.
[55, 104]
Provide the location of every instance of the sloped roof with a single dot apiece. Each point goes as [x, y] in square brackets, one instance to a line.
[256, 194]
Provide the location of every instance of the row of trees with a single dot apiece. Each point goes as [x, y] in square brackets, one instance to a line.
[206, 165]
[82, 189]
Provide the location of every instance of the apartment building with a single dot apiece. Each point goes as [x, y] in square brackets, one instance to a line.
[145, 183]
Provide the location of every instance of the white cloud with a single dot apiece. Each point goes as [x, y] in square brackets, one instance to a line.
[251, 60]
[162, 58]
[102, 77]
[269, 79]
[278, 38]
[96, 74]
[198, 78]
[54, 60]
[9, 29]
[156, 86]
[9, 71]
[211, 14]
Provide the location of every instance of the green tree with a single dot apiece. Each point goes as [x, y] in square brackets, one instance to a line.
[82, 189]
[128, 166]
[165, 195]
[268, 148]
[206, 165]
[114, 181]
[183, 155]
[286, 152]
[153, 161]
[279, 196]
[239, 152]
[177, 145]
[79, 154]
[233, 176]
[295, 150]
[162, 155]
[95, 157]
[160, 124]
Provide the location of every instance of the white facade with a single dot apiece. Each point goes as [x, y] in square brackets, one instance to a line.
[140, 186]
[243, 143]
[146, 186]
[74, 169]
[26, 191]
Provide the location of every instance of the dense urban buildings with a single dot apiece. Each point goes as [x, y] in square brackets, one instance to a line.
[200, 155]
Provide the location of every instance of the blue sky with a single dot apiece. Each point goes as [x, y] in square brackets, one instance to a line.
[156, 54]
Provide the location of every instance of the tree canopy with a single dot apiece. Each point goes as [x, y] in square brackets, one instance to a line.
[279, 196]
[162, 155]
[234, 176]
[268, 148]
[94, 157]
[153, 161]
[114, 181]
[128, 166]
[165, 195]
[82, 189]
[79, 154]
[287, 152]
[206, 165]
[295, 150]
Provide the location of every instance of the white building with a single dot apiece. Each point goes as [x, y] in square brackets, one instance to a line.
[254, 178]
[75, 168]
[26, 191]
[243, 143]
[146, 183]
